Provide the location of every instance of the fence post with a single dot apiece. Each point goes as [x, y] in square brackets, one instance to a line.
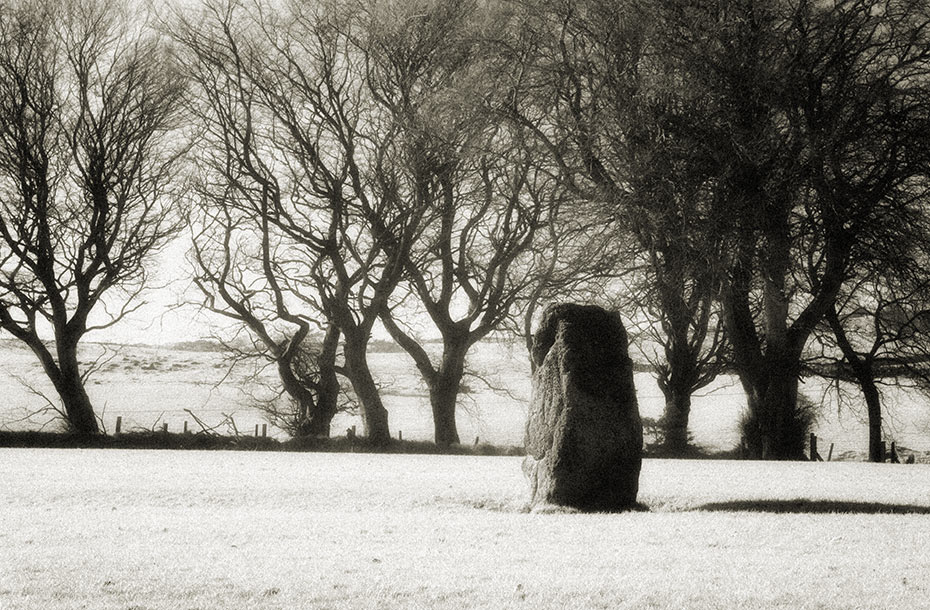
[400, 435]
[894, 454]
[185, 426]
[813, 447]
[119, 423]
[256, 430]
[264, 430]
[830, 455]
[164, 428]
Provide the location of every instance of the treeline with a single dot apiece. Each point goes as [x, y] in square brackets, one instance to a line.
[747, 179]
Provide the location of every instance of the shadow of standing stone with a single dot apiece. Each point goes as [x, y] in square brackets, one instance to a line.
[584, 437]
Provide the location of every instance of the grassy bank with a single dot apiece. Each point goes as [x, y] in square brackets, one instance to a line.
[165, 440]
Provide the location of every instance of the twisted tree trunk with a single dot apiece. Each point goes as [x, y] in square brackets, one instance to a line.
[65, 374]
[374, 415]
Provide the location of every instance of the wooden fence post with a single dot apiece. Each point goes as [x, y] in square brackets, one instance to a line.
[400, 435]
[815, 455]
[256, 430]
[119, 423]
[185, 426]
[830, 455]
[264, 430]
[894, 454]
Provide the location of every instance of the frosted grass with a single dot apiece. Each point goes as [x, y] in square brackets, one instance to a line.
[166, 530]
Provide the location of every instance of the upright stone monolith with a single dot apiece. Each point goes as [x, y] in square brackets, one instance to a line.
[584, 437]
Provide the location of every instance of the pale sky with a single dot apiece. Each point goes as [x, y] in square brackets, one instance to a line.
[159, 321]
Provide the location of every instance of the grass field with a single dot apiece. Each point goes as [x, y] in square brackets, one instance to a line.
[116, 529]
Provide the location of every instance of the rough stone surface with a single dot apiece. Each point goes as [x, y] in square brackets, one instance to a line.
[584, 437]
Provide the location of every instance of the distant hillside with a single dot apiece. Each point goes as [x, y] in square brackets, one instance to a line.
[200, 345]
[381, 346]
[210, 345]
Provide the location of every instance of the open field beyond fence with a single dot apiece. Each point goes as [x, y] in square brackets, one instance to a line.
[148, 387]
[116, 529]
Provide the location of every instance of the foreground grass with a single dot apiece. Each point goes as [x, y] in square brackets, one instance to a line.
[164, 530]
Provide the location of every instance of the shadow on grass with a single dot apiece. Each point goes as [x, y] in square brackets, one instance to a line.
[801, 506]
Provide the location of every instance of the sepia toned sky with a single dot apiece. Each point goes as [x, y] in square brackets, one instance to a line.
[164, 318]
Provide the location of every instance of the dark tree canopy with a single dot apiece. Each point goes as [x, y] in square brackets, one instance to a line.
[817, 123]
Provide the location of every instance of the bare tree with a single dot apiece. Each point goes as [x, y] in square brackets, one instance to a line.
[811, 128]
[484, 198]
[677, 287]
[293, 171]
[791, 129]
[309, 411]
[89, 108]
[877, 332]
[671, 196]
[239, 284]
[594, 87]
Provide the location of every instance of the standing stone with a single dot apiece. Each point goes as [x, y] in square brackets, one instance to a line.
[584, 437]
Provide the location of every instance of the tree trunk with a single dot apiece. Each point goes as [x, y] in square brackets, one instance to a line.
[328, 391]
[302, 396]
[374, 415]
[444, 382]
[874, 407]
[675, 419]
[865, 376]
[677, 378]
[783, 430]
[442, 398]
[317, 402]
[443, 393]
[528, 338]
[444, 387]
[70, 387]
[528, 335]
[773, 427]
